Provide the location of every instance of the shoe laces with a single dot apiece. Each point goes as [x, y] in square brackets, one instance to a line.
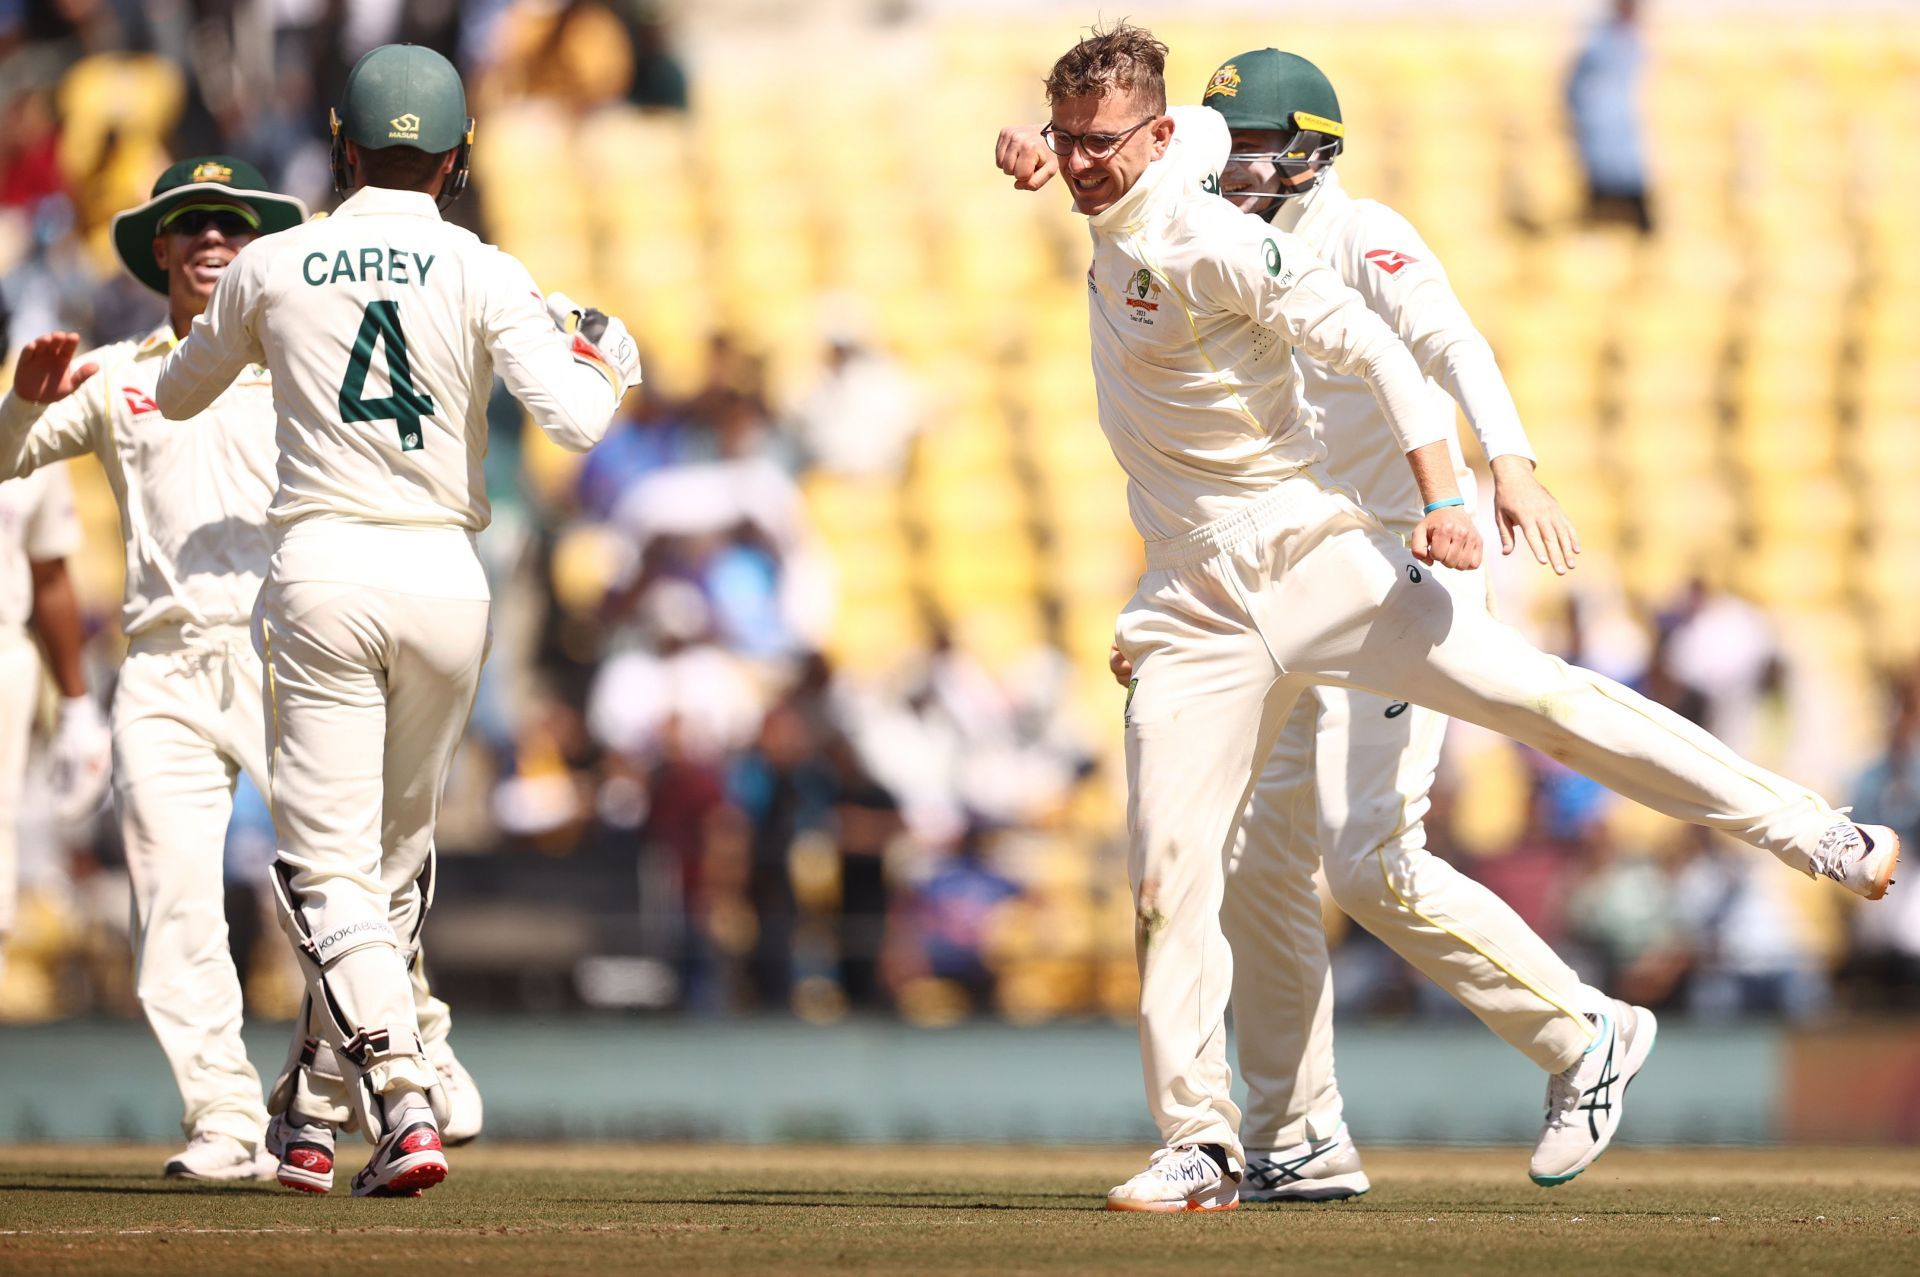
[1189, 1163]
[1563, 1092]
[1562, 1096]
[1839, 846]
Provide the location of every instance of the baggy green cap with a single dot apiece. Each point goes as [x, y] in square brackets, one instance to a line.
[1272, 89]
[404, 95]
[219, 180]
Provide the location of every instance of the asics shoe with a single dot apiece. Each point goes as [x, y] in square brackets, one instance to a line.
[1316, 1171]
[302, 1151]
[1186, 1177]
[1858, 857]
[209, 1156]
[406, 1162]
[1584, 1103]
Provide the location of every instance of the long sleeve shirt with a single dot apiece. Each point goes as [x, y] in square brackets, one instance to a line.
[1197, 310]
[193, 499]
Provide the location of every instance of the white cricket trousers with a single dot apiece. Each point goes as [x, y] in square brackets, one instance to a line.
[369, 691]
[187, 720]
[1230, 624]
[186, 723]
[19, 692]
[1348, 786]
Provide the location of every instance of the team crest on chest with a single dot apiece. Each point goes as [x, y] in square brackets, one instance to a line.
[1142, 296]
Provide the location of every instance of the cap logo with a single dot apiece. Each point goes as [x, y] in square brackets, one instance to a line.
[405, 127]
[210, 171]
[1225, 83]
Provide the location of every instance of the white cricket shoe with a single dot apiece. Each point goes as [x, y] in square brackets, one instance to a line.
[1585, 1102]
[406, 1162]
[1858, 857]
[302, 1153]
[219, 1157]
[464, 1110]
[1186, 1177]
[1316, 1171]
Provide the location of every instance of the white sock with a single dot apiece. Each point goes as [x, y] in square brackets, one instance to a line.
[406, 1103]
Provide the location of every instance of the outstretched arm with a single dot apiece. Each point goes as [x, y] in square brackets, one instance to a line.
[1406, 286]
[44, 418]
[568, 384]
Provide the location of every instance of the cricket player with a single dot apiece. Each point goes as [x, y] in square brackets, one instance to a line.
[1348, 782]
[187, 713]
[38, 530]
[382, 327]
[1263, 579]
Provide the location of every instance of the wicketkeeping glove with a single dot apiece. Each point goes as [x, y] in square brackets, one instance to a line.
[604, 334]
[81, 755]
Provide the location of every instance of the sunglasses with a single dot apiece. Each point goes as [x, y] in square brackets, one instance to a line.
[195, 218]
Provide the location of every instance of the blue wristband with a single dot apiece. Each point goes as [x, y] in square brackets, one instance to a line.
[1442, 505]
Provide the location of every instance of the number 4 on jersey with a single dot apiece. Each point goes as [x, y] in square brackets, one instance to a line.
[380, 326]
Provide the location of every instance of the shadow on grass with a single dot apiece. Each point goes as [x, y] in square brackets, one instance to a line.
[847, 1199]
[94, 1184]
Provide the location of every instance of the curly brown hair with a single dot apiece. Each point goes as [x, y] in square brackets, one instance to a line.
[1124, 58]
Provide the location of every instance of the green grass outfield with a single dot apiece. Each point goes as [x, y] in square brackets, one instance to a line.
[596, 1208]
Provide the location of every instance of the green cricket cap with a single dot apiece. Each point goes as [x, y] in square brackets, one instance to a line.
[213, 181]
[404, 95]
[1273, 89]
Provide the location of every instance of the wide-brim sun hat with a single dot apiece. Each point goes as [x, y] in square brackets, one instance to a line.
[206, 181]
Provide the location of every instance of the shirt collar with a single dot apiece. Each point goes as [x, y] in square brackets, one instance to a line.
[1130, 211]
[369, 200]
[158, 342]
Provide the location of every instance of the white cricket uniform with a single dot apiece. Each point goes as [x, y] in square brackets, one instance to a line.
[382, 326]
[37, 523]
[1262, 580]
[187, 711]
[1348, 782]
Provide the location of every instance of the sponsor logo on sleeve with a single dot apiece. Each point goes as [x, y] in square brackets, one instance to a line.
[1390, 260]
[1270, 253]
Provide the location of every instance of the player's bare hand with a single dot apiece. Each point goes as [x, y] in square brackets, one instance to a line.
[1447, 537]
[1122, 667]
[1022, 155]
[45, 372]
[1522, 505]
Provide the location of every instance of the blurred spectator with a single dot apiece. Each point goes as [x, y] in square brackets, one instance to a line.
[1723, 651]
[954, 915]
[659, 82]
[783, 788]
[29, 150]
[575, 54]
[1603, 97]
[863, 412]
[866, 821]
[1886, 962]
[1748, 955]
[1623, 917]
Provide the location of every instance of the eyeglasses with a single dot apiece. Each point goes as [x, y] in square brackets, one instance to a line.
[1095, 146]
[195, 218]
